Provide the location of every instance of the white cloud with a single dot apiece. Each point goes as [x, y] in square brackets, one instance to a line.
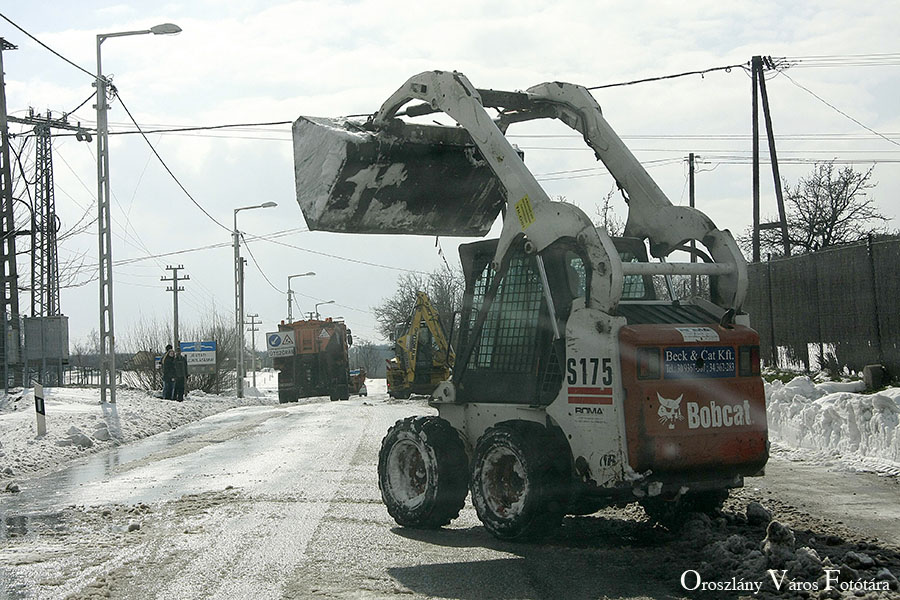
[264, 61]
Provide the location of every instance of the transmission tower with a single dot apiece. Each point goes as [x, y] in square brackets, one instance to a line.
[9, 281]
[46, 330]
[44, 265]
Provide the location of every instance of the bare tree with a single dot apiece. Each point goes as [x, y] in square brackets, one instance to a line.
[148, 340]
[444, 287]
[365, 355]
[828, 207]
[607, 217]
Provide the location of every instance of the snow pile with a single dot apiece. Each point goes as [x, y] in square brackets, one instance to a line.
[835, 417]
[77, 424]
[785, 566]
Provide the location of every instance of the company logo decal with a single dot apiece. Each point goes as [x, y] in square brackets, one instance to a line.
[669, 410]
[713, 416]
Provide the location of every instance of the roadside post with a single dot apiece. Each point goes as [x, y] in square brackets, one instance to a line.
[39, 409]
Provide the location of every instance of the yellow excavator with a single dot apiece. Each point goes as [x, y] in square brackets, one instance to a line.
[423, 356]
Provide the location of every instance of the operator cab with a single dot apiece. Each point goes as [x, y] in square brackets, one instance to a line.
[515, 355]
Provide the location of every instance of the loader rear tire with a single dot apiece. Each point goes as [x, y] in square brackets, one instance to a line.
[422, 472]
[517, 488]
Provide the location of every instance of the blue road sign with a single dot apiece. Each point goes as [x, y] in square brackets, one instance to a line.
[198, 346]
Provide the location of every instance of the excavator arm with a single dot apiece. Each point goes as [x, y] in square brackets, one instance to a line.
[425, 313]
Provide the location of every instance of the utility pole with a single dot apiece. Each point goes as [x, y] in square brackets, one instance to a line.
[253, 329]
[239, 359]
[175, 288]
[776, 176]
[104, 220]
[104, 255]
[757, 66]
[755, 72]
[8, 276]
[239, 297]
[691, 200]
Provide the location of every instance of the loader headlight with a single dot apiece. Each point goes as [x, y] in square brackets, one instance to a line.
[748, 361]
[648, 363]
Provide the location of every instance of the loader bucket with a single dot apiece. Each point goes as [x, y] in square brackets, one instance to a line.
[410, 179]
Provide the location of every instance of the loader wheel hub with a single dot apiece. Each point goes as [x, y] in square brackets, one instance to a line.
[504, 482]
[407, 473]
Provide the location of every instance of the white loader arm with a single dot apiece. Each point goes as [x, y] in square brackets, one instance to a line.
[530, 210]
[650, 213]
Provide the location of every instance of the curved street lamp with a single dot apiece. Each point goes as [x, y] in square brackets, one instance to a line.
[320, 304]
[290, 293]
[107, 336]
[239, 299]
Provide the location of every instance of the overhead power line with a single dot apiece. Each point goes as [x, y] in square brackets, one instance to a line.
[166, 167]
[259, 267]
[888, 59]
[271, 238]
[46, 47]
[726, 68]
[839, 111]
[344, 258]
[86, 100]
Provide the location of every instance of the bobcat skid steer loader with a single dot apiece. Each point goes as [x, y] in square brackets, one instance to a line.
[574, 387]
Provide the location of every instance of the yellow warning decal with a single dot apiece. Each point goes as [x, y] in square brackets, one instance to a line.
[525, 212]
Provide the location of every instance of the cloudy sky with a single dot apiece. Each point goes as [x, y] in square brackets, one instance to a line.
[255, 62]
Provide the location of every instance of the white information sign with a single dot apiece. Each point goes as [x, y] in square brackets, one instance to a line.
[280, 343]
[200, 356]
[698, 334]
[199, 353]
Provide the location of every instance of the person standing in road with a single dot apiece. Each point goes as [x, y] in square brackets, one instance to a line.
[168, 373]
[181, 373]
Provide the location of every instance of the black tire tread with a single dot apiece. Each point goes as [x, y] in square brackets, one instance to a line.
[452, 472]
[541, 451]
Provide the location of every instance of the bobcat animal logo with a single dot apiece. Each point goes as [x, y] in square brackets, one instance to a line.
[669, 410]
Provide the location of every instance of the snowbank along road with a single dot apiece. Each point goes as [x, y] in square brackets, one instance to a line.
[282, 501]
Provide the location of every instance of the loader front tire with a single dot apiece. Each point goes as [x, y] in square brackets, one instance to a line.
[517, 488]
[422, 472]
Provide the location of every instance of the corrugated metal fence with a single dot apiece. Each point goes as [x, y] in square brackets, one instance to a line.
[842, 304]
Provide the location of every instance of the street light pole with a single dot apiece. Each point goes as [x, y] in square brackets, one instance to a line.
[107, 333]
[253, 329]
[239, 300]
[290, 294]
[320, 304]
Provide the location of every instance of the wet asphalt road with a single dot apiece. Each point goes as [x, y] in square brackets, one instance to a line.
[283, 502]
[268, 502]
